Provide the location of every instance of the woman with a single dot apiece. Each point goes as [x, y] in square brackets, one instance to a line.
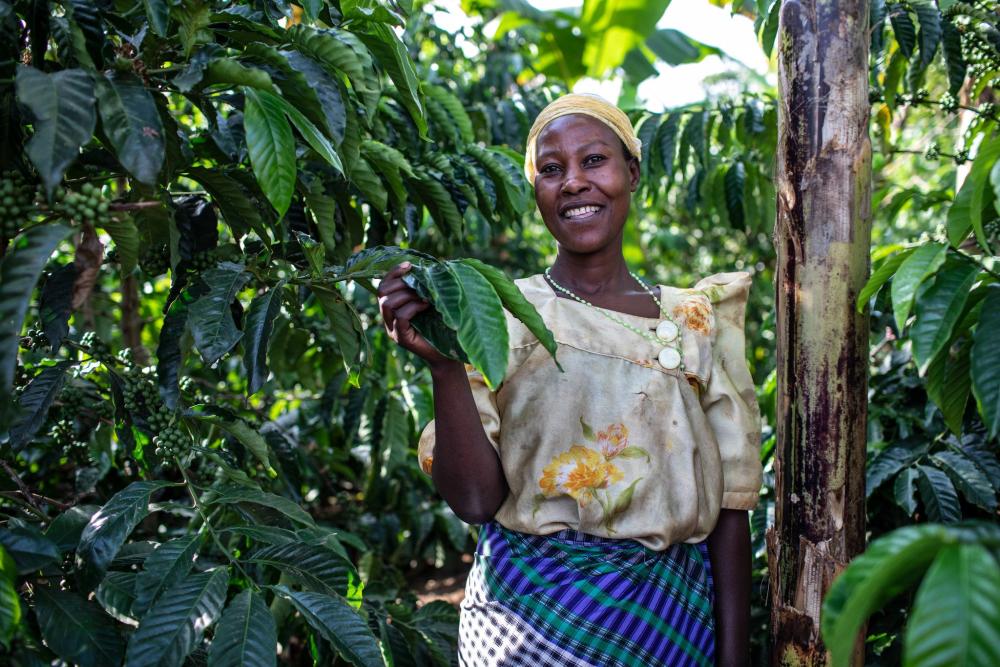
[613, 493]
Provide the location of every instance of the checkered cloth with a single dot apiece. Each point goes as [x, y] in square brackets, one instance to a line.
[571, 599]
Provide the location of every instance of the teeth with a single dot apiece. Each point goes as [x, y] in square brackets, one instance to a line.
[581, 211]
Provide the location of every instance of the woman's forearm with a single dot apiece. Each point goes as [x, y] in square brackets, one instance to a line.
[729, 553]
[466, 469]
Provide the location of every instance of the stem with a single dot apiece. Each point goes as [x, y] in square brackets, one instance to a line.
[208, 526]
[978, 262]
[135, 206]
[25, 491]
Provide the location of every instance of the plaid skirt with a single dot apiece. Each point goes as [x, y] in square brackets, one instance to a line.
[575, 599]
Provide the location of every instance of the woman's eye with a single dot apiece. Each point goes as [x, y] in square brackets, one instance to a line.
[549, 169]
[594, 159]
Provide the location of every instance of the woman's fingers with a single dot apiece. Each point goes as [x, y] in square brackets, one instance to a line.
[410, 310]
[393, 279]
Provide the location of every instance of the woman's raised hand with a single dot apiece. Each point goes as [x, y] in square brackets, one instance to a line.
[399, 303]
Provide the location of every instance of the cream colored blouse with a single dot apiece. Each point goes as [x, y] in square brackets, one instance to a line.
[617, 445]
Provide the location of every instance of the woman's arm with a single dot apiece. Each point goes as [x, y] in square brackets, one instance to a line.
[729, 553]
[466, 468]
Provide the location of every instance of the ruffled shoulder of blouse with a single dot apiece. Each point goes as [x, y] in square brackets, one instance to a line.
[728, 294]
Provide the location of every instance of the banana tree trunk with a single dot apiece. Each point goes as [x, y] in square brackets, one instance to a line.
[822, 236]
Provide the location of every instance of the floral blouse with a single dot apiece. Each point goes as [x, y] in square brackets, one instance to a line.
[616, 445]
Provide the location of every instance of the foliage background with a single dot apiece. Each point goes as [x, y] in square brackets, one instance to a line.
[203, 423]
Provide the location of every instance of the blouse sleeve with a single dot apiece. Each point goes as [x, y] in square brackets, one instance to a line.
[486, 402]
[729, 400]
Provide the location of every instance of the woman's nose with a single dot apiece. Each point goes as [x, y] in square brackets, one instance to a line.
[574, 182]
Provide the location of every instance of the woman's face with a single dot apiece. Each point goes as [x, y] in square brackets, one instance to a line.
[583, 183]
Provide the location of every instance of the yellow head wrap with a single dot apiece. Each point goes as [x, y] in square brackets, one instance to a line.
[589, 105]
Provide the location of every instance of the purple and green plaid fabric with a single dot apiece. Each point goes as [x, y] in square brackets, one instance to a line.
[574, 599]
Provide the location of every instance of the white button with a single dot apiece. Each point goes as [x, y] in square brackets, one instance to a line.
[669, 358]
[666, 330]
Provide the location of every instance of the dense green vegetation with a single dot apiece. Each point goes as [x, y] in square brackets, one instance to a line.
[201, 421]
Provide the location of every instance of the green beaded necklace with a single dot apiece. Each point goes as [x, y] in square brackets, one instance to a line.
[667, 332]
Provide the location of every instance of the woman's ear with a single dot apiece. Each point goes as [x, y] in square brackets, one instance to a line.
[633, 172]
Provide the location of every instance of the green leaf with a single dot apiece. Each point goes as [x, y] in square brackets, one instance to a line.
[675, 48]
[370, 185]
[158, 13]
[888, 462]
[271, 147]
[233, 200]
[439, 203]
[232, 73]
[513, 300]
[456, 112]
[117, 595]
[347, 328]
[338, 623]
[956, 614]
[939, 306]
[978, 179]
[177, 621]
[169, 355]
[62, 105]
[968, 478]
[327, 91]
[10, 603]
[55, 304]
[130, 119]
[902, 28]
[890, 565]
[904, 488]
[391, 54]
[985, 359]
[314, 566]
[734, 180]
[234, 495]
[612, 28]
[930, 29]
[915, 268]
[951, 42]
[634, 453]
[163, 568]
[666, 142]
[126, 237]
[265, 534]
[948, 384]
[246, 635]
[588, 431]
[887, 269]
[305, 127]
[65, 530]
[938, 495]
[472, 308]
[30, 550]
[257, 336]
[247, 435]
[19, 271]
[33, 404]
[76, 629]
[107, 529]
[210, 317]
[340, 52]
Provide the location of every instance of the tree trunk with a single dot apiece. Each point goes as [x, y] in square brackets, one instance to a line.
[822, 236]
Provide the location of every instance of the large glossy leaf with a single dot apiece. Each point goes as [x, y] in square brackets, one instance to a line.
[913, 270]
[978, 180]
[126, 237]
[887, 269]
[985, 359]
[168, 632]
[340, 52]
[117, 595]
[107, 529]
[163, 568]
[30, 549]
[929, 19]
[337, 622]
[77, 630]
[938, 495]
[10, 603]
[55, 304]
[902, 28]
[939, 306]
[239, 494]
[233, 200]
[513, 300]
[675, 48]
[347, 329]
[309, 132]
[66, 528]
[246, 635]
[19, 271]
[158, 13]
[210, 317]
[734, 180]
[968, 478]
[613, 28]
[246, 434]
[130, 119]
[956, 614]
[62, 105]
[314, 566]
[948, 384]
[391, 54]
[271, 147]
[889, 461]
[327, 90]
[257, 335]
[904, 488]
[951, 43]
[35, 401]
[889, 566]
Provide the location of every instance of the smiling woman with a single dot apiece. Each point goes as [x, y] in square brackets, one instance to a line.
[612, 488]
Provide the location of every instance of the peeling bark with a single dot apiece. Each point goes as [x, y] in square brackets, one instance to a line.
[822, 236]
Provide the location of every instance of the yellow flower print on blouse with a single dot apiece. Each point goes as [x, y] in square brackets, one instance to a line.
[582, 473]
[695, 313]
